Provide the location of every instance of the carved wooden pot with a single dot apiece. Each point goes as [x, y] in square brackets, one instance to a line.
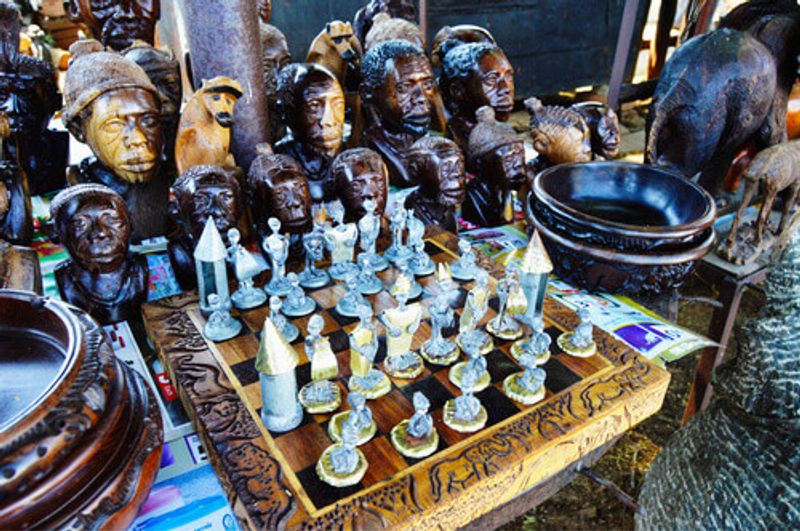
[80, 433]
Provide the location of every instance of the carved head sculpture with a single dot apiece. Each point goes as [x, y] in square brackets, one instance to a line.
[397, 87]
[558, 133]
[264, 10]
[110, 103]
[360, 175]
[385, 28]
[92, 222]
[477, 74]
[116, 23]
[276, 56]
[311, 102]
[278, 187]
[449, 37]
[495, 153]
[219, 96]
[438, 165]
[363, 20]
[207, 191]
[340, 36]
[604, 126]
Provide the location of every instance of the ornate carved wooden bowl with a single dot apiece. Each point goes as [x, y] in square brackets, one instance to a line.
[621, 227]
[80, 433]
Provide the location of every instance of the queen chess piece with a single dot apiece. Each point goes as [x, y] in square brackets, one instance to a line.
[343, 464]
[526, 387]
[416, 437]
[368, 282]
[220, 326]
[314, 244]
[474, 310]
[476, 363]
[465, 268]
[348, 305]
[579, 342]
[341, 240]
[369, 229]
[321, 394]
[439, 350]
[364, 423]
[365, 379]
[420, 263]
[287, 329]
[276, 245]
[503, 326]
[538, 344]
[465, 413]
[297, 302]
[401, 323]
[398, 250]
[245, 267]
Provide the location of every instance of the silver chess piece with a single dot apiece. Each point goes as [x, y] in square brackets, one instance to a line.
[352, 298]
[465, 268]
[369, 229]
[287, 329]
[398, 250]
[439, 350]
[276, 245]
[341, 239]
[314, 244]
[420, 263]
[297, 302]
[245, 267]
[368, 282]
[220, 326]
[504, 326]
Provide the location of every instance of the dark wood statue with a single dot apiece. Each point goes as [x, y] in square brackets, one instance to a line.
[437, 164]
[398, 91]
[277, 186]
[116, 23]
[311, 103]
[101, 277]
[603, 124]
[559, 135]
[275, 56]
[362, 22]
[199, 193]
[451, 36]
[16, 220]
[110, 104]
[387, 28]
[474, 75]
[496, 156]
[360, 175]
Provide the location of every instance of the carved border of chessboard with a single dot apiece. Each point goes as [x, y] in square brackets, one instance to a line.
[447, 490]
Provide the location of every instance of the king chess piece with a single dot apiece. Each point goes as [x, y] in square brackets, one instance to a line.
[401, 323]
[503, 326]
[364, 423]
[342, 464]
[420, 263]
[476, 307]
[465, 268]
[398, 250]
[465, 413]
[365, 379]
[314, 244]
[348, 305]
[538, 344]
[439, 350]
[297, 302]
[276, 245]
[526, 387]
[476, 364]
[416, 437]
[368, 282]
[287, 329]
[321, 395]
[369, 229]
[341, 240]
[220, 326]
[579, 342]
[245, 267]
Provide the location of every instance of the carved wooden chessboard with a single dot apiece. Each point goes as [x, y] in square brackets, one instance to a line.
[271, 477]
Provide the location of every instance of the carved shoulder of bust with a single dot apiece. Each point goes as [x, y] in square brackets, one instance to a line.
[91, 170]
[483, 205]
[182, 261]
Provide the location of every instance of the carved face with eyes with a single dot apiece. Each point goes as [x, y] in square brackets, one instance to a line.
[404, 101]
[442, 175]
[320, 120]
[208, 191]
[220, 104]
[507, 164]
[361, 176]
[124, 131]
[96, 234]
[217, 201]
[493, 84]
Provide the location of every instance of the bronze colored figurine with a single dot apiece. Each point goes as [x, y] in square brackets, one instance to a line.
[204, 131]
[398, 92]
[16, 219]
[362, 22]
[437, 164]
[451, 36]
[360, 175]
[604, 126]
[275, 56]
[559, 135]
[496, 156]
[385, 28]
[101, 277]
[277, 187]
[474, 75]
[201, 192]
[311, 103]
[116, 23]
[110, 103]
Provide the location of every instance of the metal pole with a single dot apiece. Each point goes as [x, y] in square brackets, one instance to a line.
[622, 52]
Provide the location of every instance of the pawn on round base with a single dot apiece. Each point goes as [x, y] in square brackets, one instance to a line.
[370, 285]
[439, 354]
[348, 307]
[413, 447]
[565, 343]
[328, 475]
[222, 331]
[314, 280]
[423, 267]
[521, 394]
[340, 271]
[246, 298]
[454, 374]
[279, 287]
[518, 348]
[506, 329]
[487, 345]
[404, 366]
[308, 305]
[378, 262]
[337, 423]
[463, 426]
[314, 406]
[464, 274]
[374, 385]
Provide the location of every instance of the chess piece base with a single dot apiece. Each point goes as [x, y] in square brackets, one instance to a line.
[415, 448]
[507, 333]
[460, 273]
[448, 358]
[290, 332]
[342, 270]
[454, 374]
[248, 299]
[378, 262]
[378, 390]
[281, 288]
[518, 348]
[222, 334]
[565, 343]
[424, 269]
[395, 254]
[337, 422]
[314, 281]
[462, 426]
[283, 423]
[320, 407]
[487, 346]
[306, 308]
[346, 310]
[372, 287]
[515, 391]
[408, 373]
[326, 473]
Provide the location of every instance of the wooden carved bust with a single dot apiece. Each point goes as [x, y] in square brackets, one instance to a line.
[398, 91]
[474, 75]
[275, 56]
[360, 175]
[388, 28]
[110, 104]
[311, 103]
[449, 37]
[116, 23]
[559, 135]
[16, 219]
[438, 166]
[604, 127]
[362, 22]
[101, 277]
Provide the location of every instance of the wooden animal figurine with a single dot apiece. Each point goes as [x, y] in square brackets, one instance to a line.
[773, 170]
[116, 23]
[204, 131]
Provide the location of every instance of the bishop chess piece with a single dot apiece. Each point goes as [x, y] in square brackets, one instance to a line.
[287, 329]
[275, 362]
[369, 229]
[526, 387]
[348, 305]
[398, 250]
[276, 245]
[401, 323]
[420, 263]
[368, 282]
[503, 326]
[465, 268]
[538, 344]
[245, 268]
[321, 394]
[475, 308]
[297, 302]
[579, 342]
[342, 464]
[475, 364]
[403, 271]
[439, 350]
[465, 413]
[314, 244]
[364, 423]
[341, 239]
[365, 379]
[416, 437]
[220, 326]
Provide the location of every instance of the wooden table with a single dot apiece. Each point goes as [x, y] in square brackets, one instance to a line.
[532, 451]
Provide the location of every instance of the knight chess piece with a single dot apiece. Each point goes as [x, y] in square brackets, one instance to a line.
[275, 362]
[287, 329]
[401, 323]
[503, 326]
[297, 302]
[476, 363]
[526, 387]
[321, 394]
[420, 263]
[416, 437]
[352, 298]
[476, 307]
[538, 345]
[465, 413]
[343, 464]
[579, 342]
[276, 245]
[365, 379]
[363, 422]
[398, 250]
[220, 326]
[439, 350]
[341, 239]
[465, 268]
[314, 243]
[245, 267]
[369, 229]
[368, 282]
